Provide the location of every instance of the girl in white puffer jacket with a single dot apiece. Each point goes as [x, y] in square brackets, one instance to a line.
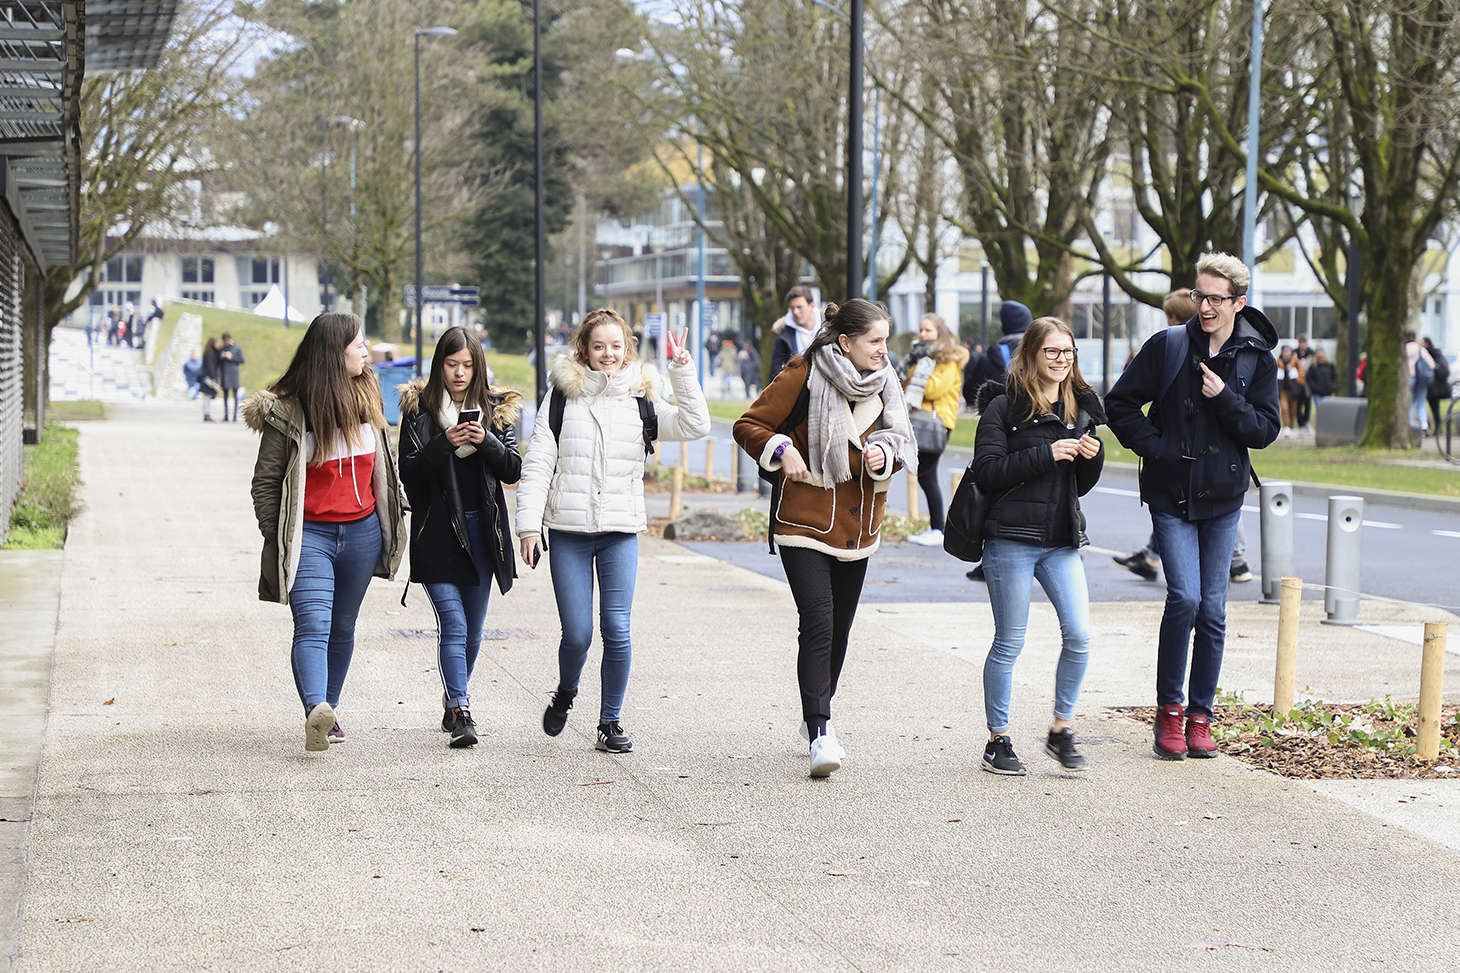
[585, 485]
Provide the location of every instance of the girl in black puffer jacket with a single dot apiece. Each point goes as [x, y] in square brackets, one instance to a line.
[1036, 454]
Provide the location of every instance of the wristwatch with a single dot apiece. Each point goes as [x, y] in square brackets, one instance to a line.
[780, 449]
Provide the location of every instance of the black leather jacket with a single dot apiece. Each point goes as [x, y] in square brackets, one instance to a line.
[440, 545]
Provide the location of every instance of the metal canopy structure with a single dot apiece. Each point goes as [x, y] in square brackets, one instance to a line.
[43, 47]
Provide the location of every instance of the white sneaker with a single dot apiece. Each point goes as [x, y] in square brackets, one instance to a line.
[830, 736]
[825, 756]
[928, 538]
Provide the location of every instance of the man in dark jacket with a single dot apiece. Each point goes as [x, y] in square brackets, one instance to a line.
[1014, 318]
[1222, 401]
[230, 356]
[794, 331]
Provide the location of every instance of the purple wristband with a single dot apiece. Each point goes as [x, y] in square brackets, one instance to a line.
[780, 449]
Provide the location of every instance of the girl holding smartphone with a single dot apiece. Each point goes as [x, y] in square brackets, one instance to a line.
[457, 449]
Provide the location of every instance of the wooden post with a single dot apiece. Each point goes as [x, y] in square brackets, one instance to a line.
[954, 479]
[1287, 646]
[710, 458]
[684, 456]
[735, 466]
[1431, 682]
[656, 452]
[675, 488]
[912, 494]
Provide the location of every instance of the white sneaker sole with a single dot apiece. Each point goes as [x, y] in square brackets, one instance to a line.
[825, 765]
[317, 728]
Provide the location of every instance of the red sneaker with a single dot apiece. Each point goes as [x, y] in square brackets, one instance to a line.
[1170, 743]
[1199, 742]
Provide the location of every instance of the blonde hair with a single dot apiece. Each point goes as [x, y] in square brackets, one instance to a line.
[946, 340]
[1227, 266]
[1024, 370]
[1179, 305]
[584, 334]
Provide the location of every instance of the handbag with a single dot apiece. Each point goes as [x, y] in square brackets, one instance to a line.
[963, 527]
[928, 430]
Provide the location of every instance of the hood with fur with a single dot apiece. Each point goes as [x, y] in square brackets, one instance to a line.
[1087, 399]
[506, 401]
[258, 407]
[572, 376]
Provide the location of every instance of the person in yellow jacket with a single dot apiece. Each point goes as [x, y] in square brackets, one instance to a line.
[934, 382]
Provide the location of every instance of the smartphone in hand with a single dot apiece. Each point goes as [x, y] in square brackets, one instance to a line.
[469, 415]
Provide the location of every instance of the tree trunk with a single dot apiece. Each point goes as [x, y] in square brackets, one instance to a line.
[1387, 296]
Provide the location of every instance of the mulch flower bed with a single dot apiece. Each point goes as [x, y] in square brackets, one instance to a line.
[1327, 741]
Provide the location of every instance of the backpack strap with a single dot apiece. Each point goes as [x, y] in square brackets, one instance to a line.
[557, 402]
[1177, 342]
[794, 418]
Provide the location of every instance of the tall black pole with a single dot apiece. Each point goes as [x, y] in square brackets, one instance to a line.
[324, 211]
[540, 312]
[1105, 338]
[420, 290]
[984, 310]
[1352, 279]
[854, 156]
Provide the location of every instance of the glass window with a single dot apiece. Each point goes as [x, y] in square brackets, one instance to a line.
[197, 270]
[265, 270]
[1324, 323]
[1282, 319]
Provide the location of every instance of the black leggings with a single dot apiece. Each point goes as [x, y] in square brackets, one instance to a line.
[826, 592]
[230, 394]
[928, 477]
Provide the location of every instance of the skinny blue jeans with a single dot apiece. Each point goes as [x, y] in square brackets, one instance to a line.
[336, 562]
[461, 611]
[572, 559]
[1011, 567]
[1196, 556]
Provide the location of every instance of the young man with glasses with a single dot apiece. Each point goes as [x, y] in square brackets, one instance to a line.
[1213, 396]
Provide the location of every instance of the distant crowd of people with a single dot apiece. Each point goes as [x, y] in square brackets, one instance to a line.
[122, 325]
[215, 374]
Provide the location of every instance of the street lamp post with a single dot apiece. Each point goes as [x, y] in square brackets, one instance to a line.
[854, 155]
[539, 206]
[353, 124]
[420, 289]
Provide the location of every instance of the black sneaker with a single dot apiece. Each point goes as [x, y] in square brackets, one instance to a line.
[446, 720]
[1061, 746]
[612, 739]
[999, 757]
[1240, 572]
[463, 730]
[976, 574]
[555, 717]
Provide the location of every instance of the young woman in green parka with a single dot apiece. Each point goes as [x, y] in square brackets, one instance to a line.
[457, 449]
[328, 502]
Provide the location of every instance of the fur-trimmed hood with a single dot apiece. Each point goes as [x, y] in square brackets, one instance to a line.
[957, 354]
[259, 407]
[577, 379]
[506, 402]
[1087, 399]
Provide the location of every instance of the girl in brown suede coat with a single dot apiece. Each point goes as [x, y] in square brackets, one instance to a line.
[835, 465]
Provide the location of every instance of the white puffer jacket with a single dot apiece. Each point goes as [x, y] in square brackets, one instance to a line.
[591, 479]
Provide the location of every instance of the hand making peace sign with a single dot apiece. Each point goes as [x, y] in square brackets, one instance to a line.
[678, 353]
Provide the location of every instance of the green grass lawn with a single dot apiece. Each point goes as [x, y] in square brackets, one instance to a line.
[47, 498]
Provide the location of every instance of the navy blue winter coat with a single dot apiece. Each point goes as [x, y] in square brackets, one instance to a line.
[1196, 463]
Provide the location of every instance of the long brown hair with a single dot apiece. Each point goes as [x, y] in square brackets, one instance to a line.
[852, 320]
[333, 403]
[584, 334]
[946, 340]
[1024, 378]
[454, 339]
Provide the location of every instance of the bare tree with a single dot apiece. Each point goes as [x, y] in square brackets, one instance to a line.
[143, 138]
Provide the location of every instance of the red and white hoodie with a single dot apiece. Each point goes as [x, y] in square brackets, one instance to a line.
[341, 488]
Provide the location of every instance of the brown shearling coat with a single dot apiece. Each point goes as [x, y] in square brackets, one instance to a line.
[844, 521]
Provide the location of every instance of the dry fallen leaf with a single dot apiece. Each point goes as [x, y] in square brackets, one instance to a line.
[843, 874]
[110, 701]
[74, 919]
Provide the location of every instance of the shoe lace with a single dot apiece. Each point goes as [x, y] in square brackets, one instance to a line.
[611, 729]
[562, 702]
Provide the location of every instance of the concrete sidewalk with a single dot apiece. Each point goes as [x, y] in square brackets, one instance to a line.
[178, 824]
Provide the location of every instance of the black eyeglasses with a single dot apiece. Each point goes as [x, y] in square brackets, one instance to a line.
[1215, 300]
[1055, 354]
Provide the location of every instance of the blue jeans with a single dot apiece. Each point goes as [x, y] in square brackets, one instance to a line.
[1196, 556]
[461, 610]
[571, 559]
[1010, 568]
[336, 562]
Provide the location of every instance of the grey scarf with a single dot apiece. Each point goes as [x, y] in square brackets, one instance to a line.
[835, 387]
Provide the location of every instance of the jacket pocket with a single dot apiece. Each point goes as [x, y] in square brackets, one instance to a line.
[808, 507]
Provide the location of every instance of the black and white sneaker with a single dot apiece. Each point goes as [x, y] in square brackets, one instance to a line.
[555, 717]
[999, 757]
[463, 730]
[612, 739]
[1239, 572]
[1061, 746]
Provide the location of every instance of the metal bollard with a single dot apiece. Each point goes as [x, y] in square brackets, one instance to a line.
[1276, 525]
[746, 476]
[1341, 577]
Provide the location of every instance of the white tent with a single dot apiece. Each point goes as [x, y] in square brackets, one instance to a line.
[272, 306]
